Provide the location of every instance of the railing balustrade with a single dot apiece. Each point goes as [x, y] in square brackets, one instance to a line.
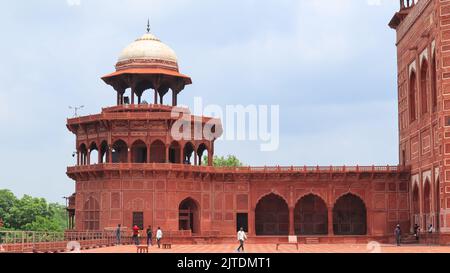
[273, 169]
[39, 241]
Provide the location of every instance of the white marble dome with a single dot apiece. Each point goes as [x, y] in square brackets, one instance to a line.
[148, 48]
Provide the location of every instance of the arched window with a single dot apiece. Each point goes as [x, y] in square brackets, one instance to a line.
[349, 216]
[433, 83]
[104, 152]
[189, 215]
[91, 214]
[157, 152]
[200, 152]
[93, 154]
[175, 153]
[188, 151]
[139, 152]
[424, 86]
[415, 203]
[427, 202]
[412, 96]
[311, 216]
[272, 216]
[82, 154]
[120, 152]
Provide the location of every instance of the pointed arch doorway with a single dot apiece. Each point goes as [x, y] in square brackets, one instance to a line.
[188, 216]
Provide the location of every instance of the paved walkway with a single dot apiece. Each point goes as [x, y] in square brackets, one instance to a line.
[271, 248]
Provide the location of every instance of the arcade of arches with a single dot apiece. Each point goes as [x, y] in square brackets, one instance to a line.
[310, 216]
[272, 216]
[140, 152]
[425, 207]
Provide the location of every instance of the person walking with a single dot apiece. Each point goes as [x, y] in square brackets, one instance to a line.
[136, 234]
[118, 234]
[159, 235]
[241, 236]
[416, 231]
[149, 236]
[430, 229]
[398, 234]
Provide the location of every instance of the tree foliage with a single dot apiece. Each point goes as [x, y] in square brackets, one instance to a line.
[221, 161]
[30, 213]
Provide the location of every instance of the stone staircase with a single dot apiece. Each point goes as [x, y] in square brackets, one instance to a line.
[409, 239]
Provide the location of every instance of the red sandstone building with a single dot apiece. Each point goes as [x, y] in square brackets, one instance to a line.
[130, 170]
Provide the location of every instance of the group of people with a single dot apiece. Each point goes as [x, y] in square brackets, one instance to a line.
[241, 236]
[398, 232]
[137, 234]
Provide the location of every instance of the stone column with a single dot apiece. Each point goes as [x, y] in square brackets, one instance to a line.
[251, 222]
[156, 97]
[181, 154]
[291, 221]
[89, 157]
[148, 153]
[167, 154]
[212, 154]
[174, 98]
[210, 158]
[330, 221]
[109, 154]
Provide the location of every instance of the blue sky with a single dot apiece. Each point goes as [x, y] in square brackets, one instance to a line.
[329, 64]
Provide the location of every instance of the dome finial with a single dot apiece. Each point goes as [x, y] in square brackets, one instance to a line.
[148, 25]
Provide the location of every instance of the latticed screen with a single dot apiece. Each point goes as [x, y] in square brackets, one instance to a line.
[311, 216]
[91, 215]
[138, 219]
[349, 216]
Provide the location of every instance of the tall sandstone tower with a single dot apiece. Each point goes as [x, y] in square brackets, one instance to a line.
[423, 57]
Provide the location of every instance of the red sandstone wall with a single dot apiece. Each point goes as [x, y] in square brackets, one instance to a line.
[421, 141]
[159, 195]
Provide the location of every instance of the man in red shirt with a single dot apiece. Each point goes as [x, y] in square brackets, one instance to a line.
[136, 234]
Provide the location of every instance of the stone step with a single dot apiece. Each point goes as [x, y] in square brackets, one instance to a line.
[409, 240]
[312, 241]
[199, 241]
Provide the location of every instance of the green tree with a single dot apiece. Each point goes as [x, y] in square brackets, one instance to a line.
[26, 211]
[7, 201]
[221, 161]
[29, 213]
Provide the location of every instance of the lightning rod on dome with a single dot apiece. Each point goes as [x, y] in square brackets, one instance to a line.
[148, 25]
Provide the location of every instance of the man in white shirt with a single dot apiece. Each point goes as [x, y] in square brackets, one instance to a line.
[241, 236]
[159, 235]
